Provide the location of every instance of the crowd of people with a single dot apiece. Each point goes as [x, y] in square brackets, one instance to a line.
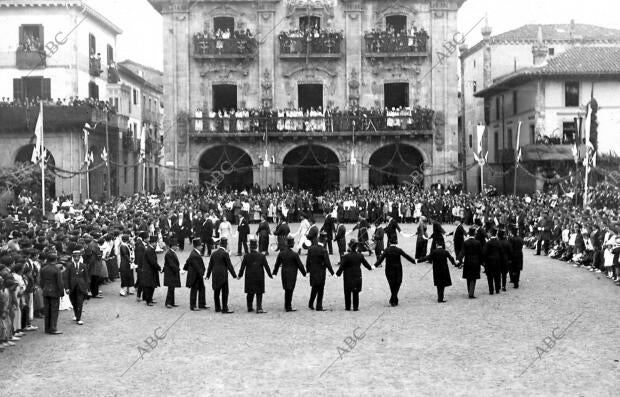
[394, 40]
[47, 264]
[313, 120]
[312, 39]
[71, 101]
[31, 43]
[225, 42]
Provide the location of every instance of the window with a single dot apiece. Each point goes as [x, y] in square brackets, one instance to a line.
[571, 94]
[93, 90]
[396, 95]
[497, 107]
[487, 111]
[475, 86]
[150, 105]
[135, 96]
[551, 51]
[471, 141]
[125, 169]
[110, 55]
[515, 107]
[396, 22]
[32, 87]
[223, 24]
[31, 37]
[92, 44]
[496, 144]
[309, 22]
[569, 132]
[532, 133]
[116, 104]
[509, 138]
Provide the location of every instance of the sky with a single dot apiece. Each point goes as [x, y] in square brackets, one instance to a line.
[142, 38]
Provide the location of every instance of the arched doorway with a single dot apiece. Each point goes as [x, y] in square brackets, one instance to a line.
[311, 167]
[24, 156]
[227, 167]
[396, 164]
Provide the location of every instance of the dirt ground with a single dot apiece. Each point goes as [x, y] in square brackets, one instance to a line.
[557, 335]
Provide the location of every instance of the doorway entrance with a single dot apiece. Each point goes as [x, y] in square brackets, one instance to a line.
[224, 97]
[397, 22]
[396, 95]
[310, 96]
[311, 167]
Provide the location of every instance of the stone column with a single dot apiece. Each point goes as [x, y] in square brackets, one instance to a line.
[353, 52]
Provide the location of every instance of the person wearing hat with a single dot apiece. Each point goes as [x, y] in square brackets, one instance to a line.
[195, 267]
[391, 229]
[77, 283]
[263, 233]
[506, 256]
[254, 265]
[304, 227]
[150, 272]
[516, 260]
[127, 281]
[350, 266]
[459, 237]
[138, 252]
[220, 266]
[393, 268]
[53, 289]
[281, 232]
[439, 257]
[379, 236]
[317, 263]
[243, 229]
[341, 239]
[329, 228]
[172, 276]
[471, 258]
[422, 239]
[291, 264]
[362, 235]
[492, 256]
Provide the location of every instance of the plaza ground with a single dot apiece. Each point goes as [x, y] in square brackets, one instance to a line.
[466, 347]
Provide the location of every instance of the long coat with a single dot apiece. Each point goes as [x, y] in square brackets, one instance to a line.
[441, 272]
[51, 281]
[77, 277]
[516, 262]
[254, 265]
[393, 264]
[472, 255]
[220, 266]
[459, 239]
[290, 262]
[341, 238]
[506, 255]
[150, 270]
[282, 231]
[125, 267]
[390, 231]
[195, 267]
[350, 266]
[492, 254]
[328, 226]
[317, 264]
[139, 258]
[172, 278]
[263, 233]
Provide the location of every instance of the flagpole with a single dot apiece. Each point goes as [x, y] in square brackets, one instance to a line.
[517, 159]
[42, 159]
[107, 145]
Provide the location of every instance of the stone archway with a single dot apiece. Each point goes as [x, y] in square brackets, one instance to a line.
[226, 167]
[311, 167]
[396, 164]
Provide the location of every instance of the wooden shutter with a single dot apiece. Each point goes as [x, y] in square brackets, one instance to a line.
[17, 88]
[110, 54]
[92, 44]
[21, 34]
[41, 36]
[46, 89]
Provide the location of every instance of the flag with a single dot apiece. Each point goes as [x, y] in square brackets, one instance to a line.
[575, 152]
[518, 156]
[86, 130]
[586, 125]
[104, 155]
[38, 133]
[142, 144]
[479, 135]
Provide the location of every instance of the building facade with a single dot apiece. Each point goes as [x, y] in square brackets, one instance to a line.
[311, 94]
[495, 57]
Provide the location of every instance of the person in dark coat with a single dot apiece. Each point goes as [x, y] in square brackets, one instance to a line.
[459, 238]
[439, 257]
[95, 268]
[127, 281]
[150, 272]
[437, 236]
[393, 268]
[481, 234]
[350, 265]
[506, 257]
[139, 259]
[220, 266]
[516, 260]
[392, 229]
[290, 262]
[206, 236]
[421, 240]
[195, 268]
[545, 225]
[254, 265]
[379, 238]
[317, 263]
[177, 231]
[282, 231]
[329, 228]
[172, 276]
[243, 229]
[362, 235]
[263, 233]
[492, 255]
[341, 239]
[53, 289]
[471, 258]
[77, 284]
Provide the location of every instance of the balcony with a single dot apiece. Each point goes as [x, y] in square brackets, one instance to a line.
[94, 66]
[390, 45]
[30, 59]
[113, 75]
[239, 46]
[548, 152]
[56, 118]
[418, 124]
[300, 45]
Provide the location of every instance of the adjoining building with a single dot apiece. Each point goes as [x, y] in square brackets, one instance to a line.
[504, 76]
[311, 94]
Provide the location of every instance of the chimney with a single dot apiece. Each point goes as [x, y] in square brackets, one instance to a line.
[539, 49]
[486, 55]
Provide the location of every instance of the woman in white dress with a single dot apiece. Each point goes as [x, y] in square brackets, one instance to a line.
[304, 226]
[225, 229]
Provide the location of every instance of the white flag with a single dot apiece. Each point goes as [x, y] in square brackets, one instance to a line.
[104, 155]
[479, 135]
[143, 143]
[86, 130]
[38, 133]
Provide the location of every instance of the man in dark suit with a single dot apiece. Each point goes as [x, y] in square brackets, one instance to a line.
[506, 257]
[254, 265]
[139, 259]
[282, 231]
[459, 237]
[516, 261]
[341, 239]
[393, 268]
[206, 235]
[317, 263]
[492, 254]
[471, 257]
[379, 238]
[220, 266]
[77, 284]
[53, 289]
[263, 233]
[177, 230]
[439, 257]
[391, 229]
[150, 272]
[172, 277]
[545, 225]
[243, 229]
[195, 267]
[290, 262]
[329, 228]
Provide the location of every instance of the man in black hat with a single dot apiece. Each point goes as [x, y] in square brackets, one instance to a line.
[341, 239]
[255, 266]
[329, 228]
[53, 290]
[195, 267]
[150, 272]
[392, 229]
[172, 277]
[378, 237]
[471, 258]
[506, 257]
[77, 283]
[516, 260]
[317, 263]
[139, 249]
[492, 254]
[290, 262]
[393, 268]
[220, 266]
[282, 231]
[350, 268]
[243, 229]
